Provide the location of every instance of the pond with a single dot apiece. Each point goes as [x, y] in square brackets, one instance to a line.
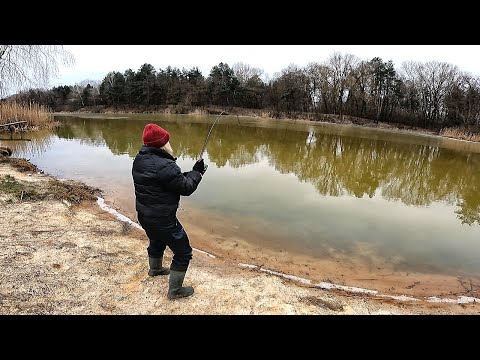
[322, 190]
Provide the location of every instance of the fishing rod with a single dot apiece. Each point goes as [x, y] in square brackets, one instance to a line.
[209, 133]
[208, 136]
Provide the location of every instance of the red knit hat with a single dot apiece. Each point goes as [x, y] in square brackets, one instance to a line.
[154, 135]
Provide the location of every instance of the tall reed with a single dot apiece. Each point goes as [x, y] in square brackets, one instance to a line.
[35, 115]
[462, 134]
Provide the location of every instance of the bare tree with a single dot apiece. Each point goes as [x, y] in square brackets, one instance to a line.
[245, 72]
[463, 101]
[94, 90]
[472, 99]
[77, 92]
[432, 81]
[341, 79]
[327, 99]
[360, 90]
[26, 66]
[313, 73]
[86, 90]
[293, 87]
[251, 88]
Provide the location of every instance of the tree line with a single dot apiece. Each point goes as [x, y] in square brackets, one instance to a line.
[429, 94]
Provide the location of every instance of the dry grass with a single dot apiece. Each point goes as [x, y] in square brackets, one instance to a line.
[35, 115]
[21, 165]
[325, 304]
[461, 134]
[72, 191]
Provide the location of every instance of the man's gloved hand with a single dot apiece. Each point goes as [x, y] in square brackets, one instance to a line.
[200, 166]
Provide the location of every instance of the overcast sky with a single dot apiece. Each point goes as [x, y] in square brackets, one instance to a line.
[93, 62]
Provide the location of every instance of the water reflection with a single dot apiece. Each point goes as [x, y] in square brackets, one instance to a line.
[38, 143]
[336, 165]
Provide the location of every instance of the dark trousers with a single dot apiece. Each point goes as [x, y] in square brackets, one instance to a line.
[176, 239]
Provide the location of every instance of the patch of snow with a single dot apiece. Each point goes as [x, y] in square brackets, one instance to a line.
[400, 297]
[460, 300]
[248, 266]
[105, 207]
[286, 276]
[327, 285]
[204, 252]
[382, 312]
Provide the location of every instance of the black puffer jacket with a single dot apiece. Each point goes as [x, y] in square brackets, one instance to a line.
[159, 182]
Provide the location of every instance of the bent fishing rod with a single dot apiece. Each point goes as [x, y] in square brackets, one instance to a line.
[209, 133]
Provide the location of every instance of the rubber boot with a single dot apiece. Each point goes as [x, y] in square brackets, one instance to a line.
[175, 289]
[156, 267]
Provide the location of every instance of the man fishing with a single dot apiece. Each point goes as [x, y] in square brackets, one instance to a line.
[159, 183]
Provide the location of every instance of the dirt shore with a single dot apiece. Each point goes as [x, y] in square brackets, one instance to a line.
[61, 253]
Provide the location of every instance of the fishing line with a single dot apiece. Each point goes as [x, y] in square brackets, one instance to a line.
[209, 133]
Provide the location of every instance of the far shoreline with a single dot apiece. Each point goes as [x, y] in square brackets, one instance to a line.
[329, 119]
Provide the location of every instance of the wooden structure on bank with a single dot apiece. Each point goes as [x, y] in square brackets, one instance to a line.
[5, 151]
[14, 126]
